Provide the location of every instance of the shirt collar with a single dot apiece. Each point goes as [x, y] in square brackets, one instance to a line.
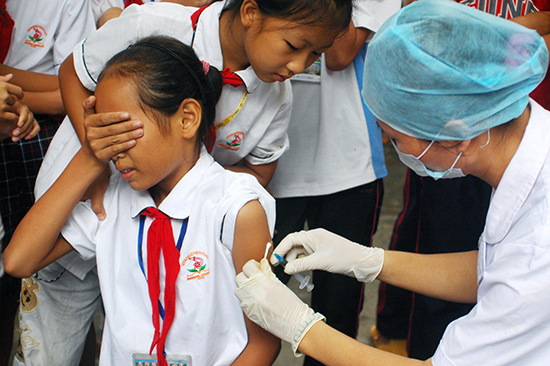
[207, 44]
[177, 204]
[520, 175]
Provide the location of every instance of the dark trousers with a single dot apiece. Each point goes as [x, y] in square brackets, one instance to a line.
[443, 216]
[352, 214]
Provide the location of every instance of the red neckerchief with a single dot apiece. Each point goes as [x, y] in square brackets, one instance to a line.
[160, 236]
[127, 3]
[227, 76]
[6, 29]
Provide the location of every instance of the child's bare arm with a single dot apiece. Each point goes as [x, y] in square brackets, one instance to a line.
[251, 238]
[346, 47]
[36, 241]
[74, 94]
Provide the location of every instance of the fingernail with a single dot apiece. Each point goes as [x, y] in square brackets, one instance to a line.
[101, 216]
[16, 132]
[131, 142]
[125, 115]
[138, 124]
[138, 133]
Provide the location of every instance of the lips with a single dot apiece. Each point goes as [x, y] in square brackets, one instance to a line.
[126, 173]
[280, 78]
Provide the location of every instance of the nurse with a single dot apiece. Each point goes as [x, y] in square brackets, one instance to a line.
[449, 85]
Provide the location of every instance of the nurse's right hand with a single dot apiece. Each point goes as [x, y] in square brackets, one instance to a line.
[319, 249]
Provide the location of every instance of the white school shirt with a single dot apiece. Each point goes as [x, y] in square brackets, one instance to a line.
[209, 323]
[510, 324]
[101, 6]
[257, 133]
[335, 142]
[45, 32]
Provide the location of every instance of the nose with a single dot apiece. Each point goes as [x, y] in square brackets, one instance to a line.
[120, 155]
[299, 63]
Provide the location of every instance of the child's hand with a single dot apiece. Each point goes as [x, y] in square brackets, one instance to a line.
[109, 134]
[27, 127]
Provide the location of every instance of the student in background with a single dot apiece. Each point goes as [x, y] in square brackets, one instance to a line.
[332, 174]
[38, 36]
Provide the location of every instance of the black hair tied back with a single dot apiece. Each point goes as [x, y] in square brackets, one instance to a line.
[166, 72]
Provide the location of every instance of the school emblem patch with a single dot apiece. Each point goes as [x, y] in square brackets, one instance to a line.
[196, 264]
[233, 141]
[29, 300]
[35, 36]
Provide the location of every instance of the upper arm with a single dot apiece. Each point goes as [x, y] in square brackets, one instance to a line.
[73, 94]
[250, 241]
[345, 48]
[251, 234]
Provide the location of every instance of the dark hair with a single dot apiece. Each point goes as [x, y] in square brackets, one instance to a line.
[166, 72]
[335, 14]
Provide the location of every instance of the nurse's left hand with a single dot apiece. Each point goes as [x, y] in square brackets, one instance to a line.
[272, 305]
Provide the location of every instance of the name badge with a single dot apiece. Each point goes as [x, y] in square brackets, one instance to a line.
[151, 360]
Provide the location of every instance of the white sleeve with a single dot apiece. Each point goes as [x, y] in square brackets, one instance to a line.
[246, 190]
[101, 6]
[135, 22]
[76, 23]
[80, 229]
[371, 14]
[275, 140]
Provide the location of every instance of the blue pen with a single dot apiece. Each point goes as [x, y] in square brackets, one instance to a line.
[303, 280]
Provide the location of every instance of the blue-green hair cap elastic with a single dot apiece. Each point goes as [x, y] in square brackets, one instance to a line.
[439, 70]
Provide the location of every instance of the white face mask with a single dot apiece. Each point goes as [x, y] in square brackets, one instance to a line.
[419, 168]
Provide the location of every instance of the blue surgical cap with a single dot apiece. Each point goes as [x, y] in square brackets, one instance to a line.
[438, 70]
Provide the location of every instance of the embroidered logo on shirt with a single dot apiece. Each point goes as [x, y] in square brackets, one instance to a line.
[36, 35]
[29, 300]
[196, 265]
[233, 141]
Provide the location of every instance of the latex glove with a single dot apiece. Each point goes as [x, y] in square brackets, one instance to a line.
[272, 305]
[322, 250]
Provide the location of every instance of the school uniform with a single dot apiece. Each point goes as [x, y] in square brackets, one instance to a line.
[257, 132]
[332, 174]
[209, 323]
[509, 324]
[44, 34]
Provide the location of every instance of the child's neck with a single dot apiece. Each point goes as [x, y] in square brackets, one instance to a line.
[231, 40]
[162, 189]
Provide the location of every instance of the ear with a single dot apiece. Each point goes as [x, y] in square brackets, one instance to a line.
[250, 13]
[456, 146]
[189, 118]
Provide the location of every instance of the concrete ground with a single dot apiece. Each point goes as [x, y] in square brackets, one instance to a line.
[392, 205]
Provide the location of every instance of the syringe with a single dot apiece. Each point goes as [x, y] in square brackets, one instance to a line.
[303, 280]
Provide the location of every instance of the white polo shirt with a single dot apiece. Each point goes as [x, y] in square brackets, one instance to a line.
[335, 141]
[45, 32]
[257, 133]
[510, 324]
[209, 323]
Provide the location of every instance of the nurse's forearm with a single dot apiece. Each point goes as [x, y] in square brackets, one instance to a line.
[333, 348]
[449, 276]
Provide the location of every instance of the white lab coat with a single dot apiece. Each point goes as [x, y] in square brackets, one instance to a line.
[510, 324]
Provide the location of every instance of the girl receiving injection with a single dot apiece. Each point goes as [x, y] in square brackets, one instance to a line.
[168, 199]
[262, 43]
